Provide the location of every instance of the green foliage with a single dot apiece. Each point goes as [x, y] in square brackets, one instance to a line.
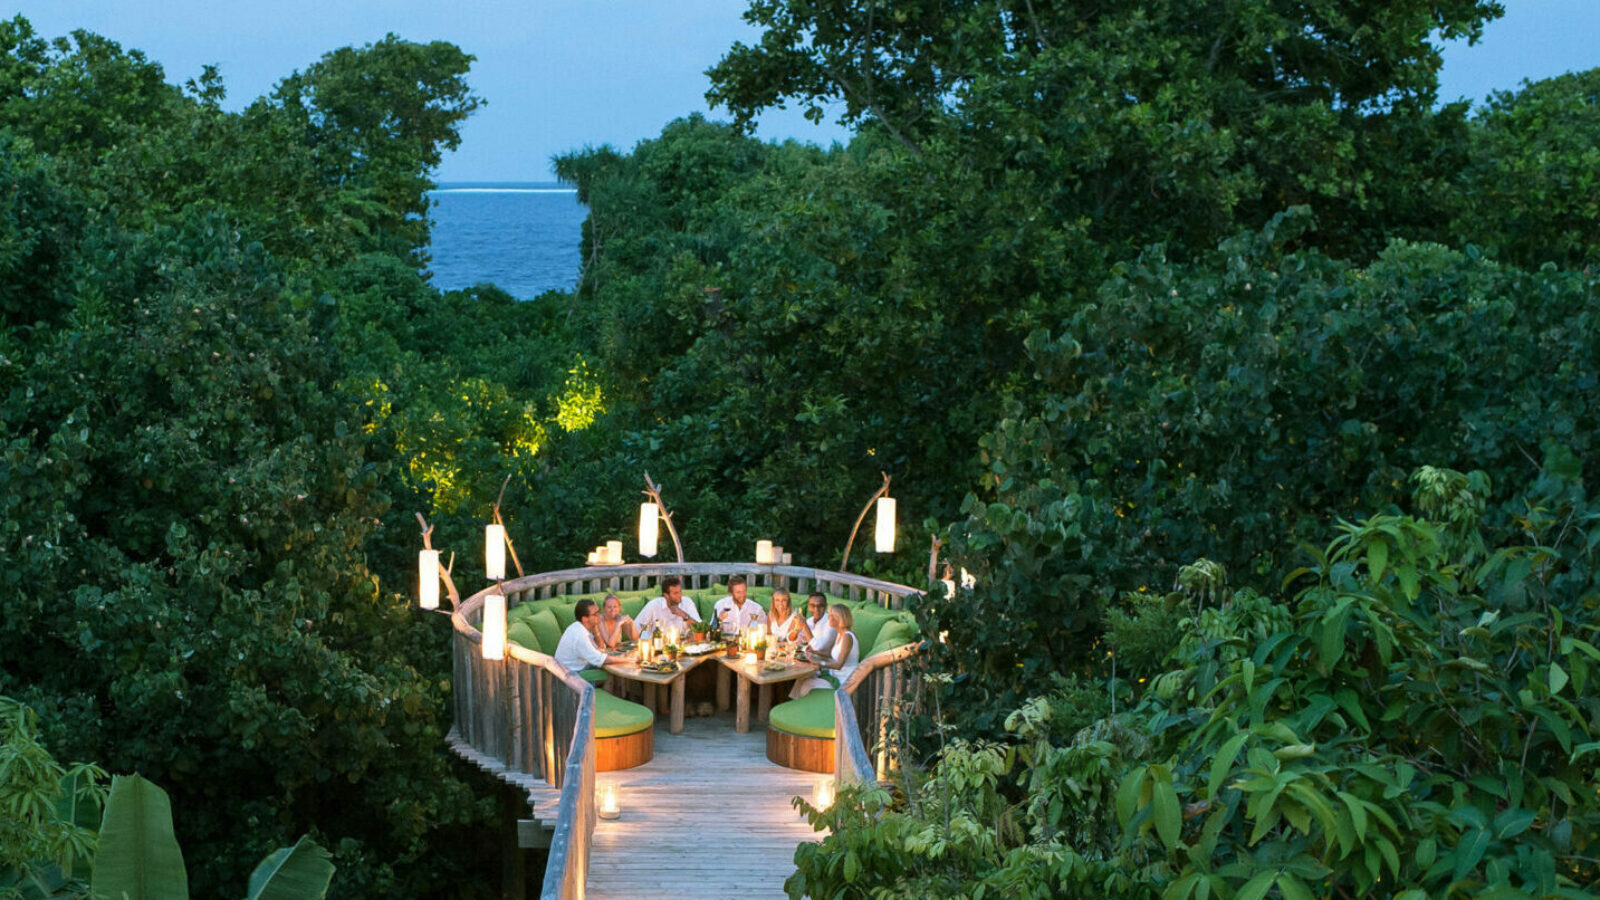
[1532, 191]
[47, 812]
[1411, 721]
[139, 857]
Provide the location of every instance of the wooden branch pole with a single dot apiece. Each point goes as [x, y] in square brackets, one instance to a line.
[933, 560]
[654, 492]
[444, 573]
[501, 522]
[844, 565]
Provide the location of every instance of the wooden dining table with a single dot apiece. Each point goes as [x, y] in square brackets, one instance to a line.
[755, 674]
[653, 681]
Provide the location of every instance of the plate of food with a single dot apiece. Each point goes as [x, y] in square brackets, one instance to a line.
[774, 666]
[660, 668]
[699, 648]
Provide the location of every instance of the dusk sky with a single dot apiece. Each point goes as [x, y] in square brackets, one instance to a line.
[562, 74]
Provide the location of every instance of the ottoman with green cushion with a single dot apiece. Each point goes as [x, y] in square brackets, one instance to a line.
[624, 733]
[800, 732]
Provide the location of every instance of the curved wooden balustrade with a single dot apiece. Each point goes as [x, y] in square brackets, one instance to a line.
[527, 719]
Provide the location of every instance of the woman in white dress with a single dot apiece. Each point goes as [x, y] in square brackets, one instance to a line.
[838, 664]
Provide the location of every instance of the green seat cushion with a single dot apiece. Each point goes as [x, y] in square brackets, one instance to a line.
[895, 633]
[810, 716]
[632, 608]
[615, 717]
[563, 611]
[522, 633]
[594, 676]
[545, 629]
[869, 621]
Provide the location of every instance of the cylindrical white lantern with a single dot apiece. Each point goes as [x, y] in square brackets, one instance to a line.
[649, 528]
[763, 553]
[787, 559]
[614, 552]
[428, 578]
[494, 626]
[885, 532]
[494, 551]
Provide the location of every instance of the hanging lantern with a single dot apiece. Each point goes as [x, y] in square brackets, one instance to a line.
[494, 551]
[885, 530]
[428, 578]
[649, 528]
[763, 553]
[494, 626]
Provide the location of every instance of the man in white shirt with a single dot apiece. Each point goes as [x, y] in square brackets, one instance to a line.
[578, 649]
[672, 609]
[822, 633]
[734, 612]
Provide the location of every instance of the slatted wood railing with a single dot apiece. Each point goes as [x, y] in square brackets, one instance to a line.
[525, 717]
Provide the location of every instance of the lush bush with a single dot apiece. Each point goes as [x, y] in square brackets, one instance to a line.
[1411, 718]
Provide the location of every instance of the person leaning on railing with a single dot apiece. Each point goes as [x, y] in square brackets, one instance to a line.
[837, 665]
[672, 608]
[578, 650]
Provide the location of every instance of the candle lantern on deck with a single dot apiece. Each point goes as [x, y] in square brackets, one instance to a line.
[494, 551]
[822, 794]
[428, 578]
[608, 803]
[614, 552]
[494, 626]
[649, 529]
[763, 553]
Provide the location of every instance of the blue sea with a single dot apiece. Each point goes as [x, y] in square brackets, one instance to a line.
[520, 236]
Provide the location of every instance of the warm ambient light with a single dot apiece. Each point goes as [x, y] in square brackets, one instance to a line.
[609, 803]
[649, 528]
[885, 531]
[428, 578]
[763, 553]
[614, 552]
[494, 626]
[750, 659]
[822, 796]
[494, 551]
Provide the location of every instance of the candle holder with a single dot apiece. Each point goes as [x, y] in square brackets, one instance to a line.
[608, 800]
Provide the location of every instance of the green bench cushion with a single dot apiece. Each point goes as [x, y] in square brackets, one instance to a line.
[869, 621]
[545, 629]
[593, 676]
[895, 633]
[615, 717]
[522, 633]
[810, 716]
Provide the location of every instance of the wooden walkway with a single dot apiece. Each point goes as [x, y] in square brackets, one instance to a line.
[708, 817]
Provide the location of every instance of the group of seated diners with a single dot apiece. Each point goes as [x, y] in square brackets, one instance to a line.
[835, 635]
[823, 637]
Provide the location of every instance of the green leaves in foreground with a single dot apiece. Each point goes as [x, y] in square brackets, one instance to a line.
[139, 857]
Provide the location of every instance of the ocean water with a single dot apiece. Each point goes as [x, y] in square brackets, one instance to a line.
[522, 237]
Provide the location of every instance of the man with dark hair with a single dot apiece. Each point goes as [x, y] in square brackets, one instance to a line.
[734, 613]
[672, 609]
[817, 620]
[578, 650]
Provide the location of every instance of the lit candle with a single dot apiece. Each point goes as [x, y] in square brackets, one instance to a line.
[749, 659]
[763, 553]
[610, 800]
[822, 797]
[614, 552]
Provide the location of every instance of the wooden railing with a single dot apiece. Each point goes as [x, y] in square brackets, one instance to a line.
[865, 709]
[526, 717]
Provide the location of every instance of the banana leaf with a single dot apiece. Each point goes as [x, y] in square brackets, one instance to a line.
[139, 858]
[301, 872]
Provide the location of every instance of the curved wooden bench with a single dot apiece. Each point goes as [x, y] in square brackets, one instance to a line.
[624, 733]
[800, 733]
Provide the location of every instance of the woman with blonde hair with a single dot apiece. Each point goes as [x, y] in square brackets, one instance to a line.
[615, 627]
[837, 665]
[787, 625]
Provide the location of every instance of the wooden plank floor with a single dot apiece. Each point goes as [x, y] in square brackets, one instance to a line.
[708, 817]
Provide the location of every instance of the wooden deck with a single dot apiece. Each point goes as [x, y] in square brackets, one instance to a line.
[708, 817]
